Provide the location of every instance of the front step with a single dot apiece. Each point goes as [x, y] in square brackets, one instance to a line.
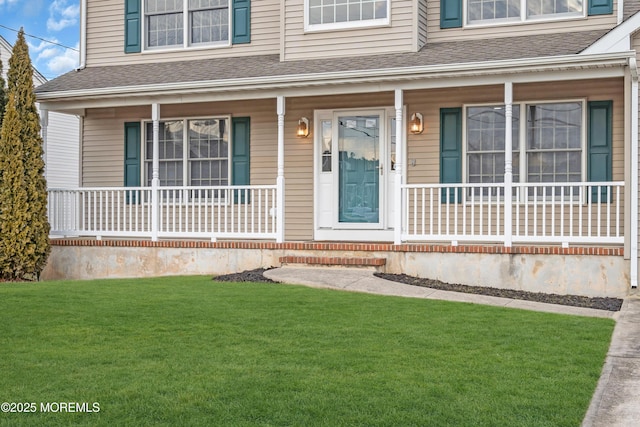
[377, 263]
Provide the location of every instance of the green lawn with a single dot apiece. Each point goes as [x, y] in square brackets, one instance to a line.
[190, 351]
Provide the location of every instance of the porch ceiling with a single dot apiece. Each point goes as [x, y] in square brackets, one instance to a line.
[262, 76]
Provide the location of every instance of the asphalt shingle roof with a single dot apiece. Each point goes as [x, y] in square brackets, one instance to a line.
[218, 69]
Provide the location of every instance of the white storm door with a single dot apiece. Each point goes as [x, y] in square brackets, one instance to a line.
[358, 171]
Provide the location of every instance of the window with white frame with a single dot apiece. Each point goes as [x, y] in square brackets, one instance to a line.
[197, 157]
[554, 142]
[494, 11]
[337, 14]
[172, 23]
[486, 143]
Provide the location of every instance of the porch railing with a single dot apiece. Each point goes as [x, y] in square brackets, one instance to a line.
[188, 212]
[563, 213]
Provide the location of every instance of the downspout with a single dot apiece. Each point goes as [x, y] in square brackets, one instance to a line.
[620, 15]
[633, 259]
[44, 124]
[83, 35]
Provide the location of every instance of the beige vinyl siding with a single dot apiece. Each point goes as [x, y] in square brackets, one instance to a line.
[630, 8]
[102, 152]
[103, 144]
[105, 36]
[398, 37]
[435, 34]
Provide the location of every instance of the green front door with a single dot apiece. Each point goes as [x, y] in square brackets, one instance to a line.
[359, 169]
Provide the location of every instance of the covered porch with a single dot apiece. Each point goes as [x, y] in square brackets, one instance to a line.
[296, 191]
[415, 179]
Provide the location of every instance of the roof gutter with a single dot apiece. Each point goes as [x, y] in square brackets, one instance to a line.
[581, 61]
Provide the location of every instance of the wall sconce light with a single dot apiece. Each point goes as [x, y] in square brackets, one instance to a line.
[303, 128]
[416, 124]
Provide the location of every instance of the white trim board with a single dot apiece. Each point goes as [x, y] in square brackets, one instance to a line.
[616, 40]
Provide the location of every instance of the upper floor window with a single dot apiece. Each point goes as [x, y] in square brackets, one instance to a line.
[492, 11]
[340, 14]
[186, 22]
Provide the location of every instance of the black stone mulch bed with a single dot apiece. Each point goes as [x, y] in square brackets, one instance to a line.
[245, 276]
[610, 304]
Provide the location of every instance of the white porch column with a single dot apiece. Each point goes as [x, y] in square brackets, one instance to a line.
[397, 202]
[633, 256]
[280, 178]
[155, 171]
[508, 163]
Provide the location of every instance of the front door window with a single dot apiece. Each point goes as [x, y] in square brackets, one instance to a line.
[359, 169]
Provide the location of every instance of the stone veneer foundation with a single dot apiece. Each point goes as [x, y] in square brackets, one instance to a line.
[589, 271]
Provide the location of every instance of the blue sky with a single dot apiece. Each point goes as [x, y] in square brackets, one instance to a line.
[57, 21]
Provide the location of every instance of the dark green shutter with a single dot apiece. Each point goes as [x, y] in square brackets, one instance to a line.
[240, 152]
[599, 136]
[600, 7]
[132, 26]
[131, 155]
[450, 13]
[450, 150]
[241, 21]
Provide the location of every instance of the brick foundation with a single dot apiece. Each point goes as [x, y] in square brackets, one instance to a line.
[366, 247]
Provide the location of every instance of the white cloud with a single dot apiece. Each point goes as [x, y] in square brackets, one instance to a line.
[62, 60]
[48, 53]
[7, 2]
[62, 15]
[52, 61]
[42, 45]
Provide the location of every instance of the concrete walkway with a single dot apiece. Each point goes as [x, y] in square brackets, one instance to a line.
[616, 402]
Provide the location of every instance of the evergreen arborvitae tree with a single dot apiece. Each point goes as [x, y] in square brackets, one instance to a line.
[3, 95]
[14, 209]
[28, 220]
